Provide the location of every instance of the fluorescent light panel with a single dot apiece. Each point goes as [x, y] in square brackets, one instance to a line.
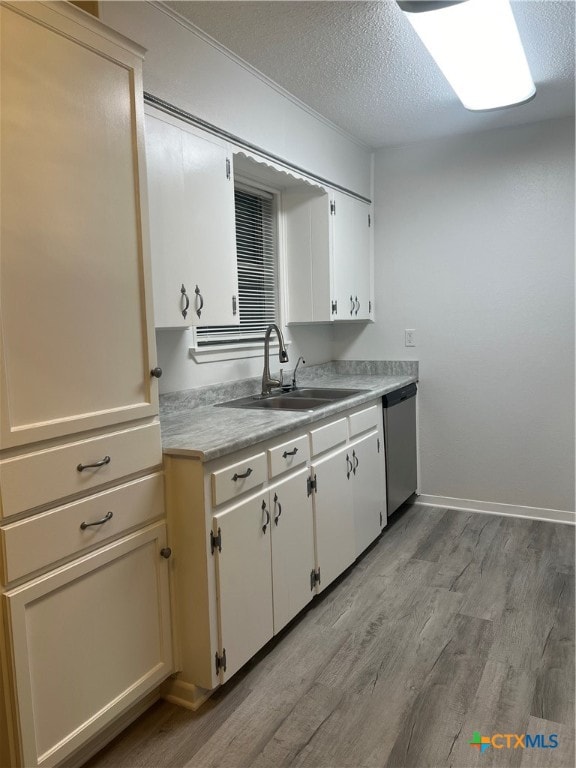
[478, 49]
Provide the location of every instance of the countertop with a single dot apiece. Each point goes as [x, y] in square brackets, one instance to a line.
[206, 431]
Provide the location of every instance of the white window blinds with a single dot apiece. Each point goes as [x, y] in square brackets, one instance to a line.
[257, 268]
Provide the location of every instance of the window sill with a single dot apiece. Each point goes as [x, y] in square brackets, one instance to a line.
[237, 351]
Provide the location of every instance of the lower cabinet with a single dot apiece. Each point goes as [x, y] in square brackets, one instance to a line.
[368, 489]
[256, 534]
[264, 560]
[333, 515]
[348, 504]
[88, 639]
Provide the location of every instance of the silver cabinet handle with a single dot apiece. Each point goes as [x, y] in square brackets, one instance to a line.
[237, 477]
[107, 516]
[199, 295]
[186, 301]
[101, 463]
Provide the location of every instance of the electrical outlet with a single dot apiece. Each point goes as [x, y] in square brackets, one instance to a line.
[410, 337]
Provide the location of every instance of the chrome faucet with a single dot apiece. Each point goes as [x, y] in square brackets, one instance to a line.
[268, 383]
[300, 360]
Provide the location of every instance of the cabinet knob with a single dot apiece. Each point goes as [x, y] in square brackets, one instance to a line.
[156, 372]
[165, 552]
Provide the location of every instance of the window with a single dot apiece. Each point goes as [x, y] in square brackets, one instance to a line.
[256, 241]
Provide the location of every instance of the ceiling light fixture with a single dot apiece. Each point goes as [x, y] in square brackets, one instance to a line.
[477, 47]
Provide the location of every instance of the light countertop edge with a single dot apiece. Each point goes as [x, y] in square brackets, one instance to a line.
[209, 432]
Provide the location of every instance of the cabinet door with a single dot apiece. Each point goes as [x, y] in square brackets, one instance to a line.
[244, 581]
[169, 239]
[211, 231]
[75, 316]
[292, 547]
[351, 257]
[306, 215]
[333, 515]
[368, 464]
[192, 226]
[95, 634]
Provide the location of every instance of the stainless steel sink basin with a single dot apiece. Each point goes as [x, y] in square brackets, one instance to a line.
[297, 400]
[323, 393]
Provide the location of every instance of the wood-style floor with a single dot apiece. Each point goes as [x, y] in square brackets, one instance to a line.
[451, 623]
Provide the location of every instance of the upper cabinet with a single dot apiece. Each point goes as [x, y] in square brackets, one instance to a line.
[351, 283]
[328, 256]
[77, 341]
[192, 225]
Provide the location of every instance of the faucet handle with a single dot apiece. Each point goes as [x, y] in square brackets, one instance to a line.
[300, 360]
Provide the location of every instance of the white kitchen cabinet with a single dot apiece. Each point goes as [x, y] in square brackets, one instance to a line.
[95, 634]
[349, 489]
[264, 561]
[76, 330]
[244, 582]
[254, 542]
[367, 489]
[351, 258]
[85, 632]
[192, 225]
[328, 246]
[333, 515]
[242, 569]
[292, 547]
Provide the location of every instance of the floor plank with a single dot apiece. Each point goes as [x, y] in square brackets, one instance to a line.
[453, 622]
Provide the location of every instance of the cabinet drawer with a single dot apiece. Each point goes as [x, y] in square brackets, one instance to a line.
[237, 478]
[288, 455]
[327, 437]
[363, 420]
[59, 530]
[51, 474]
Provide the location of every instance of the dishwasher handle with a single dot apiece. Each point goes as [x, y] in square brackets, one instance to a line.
[399, 395]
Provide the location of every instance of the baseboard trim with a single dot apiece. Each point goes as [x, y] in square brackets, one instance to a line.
[184, 694]
[493, 508]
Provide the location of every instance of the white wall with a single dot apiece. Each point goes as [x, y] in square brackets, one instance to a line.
[185, 69]
[474, 249]
[189, 71]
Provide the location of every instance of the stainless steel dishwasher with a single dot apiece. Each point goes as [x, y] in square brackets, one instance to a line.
[400, 441]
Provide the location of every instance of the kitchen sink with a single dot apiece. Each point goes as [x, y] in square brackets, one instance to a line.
[297, 400]
[323, 394]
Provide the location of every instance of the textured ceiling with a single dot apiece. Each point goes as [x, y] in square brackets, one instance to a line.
[362, 66]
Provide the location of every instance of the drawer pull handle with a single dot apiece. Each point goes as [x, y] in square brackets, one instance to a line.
[107, 516]
[290, 453]
[356, 462]
[101, 463]
[277, 504]
[267, 517]
[236, 476]
[165, 552]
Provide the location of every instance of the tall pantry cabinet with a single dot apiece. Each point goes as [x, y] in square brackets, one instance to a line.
[84, 612]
